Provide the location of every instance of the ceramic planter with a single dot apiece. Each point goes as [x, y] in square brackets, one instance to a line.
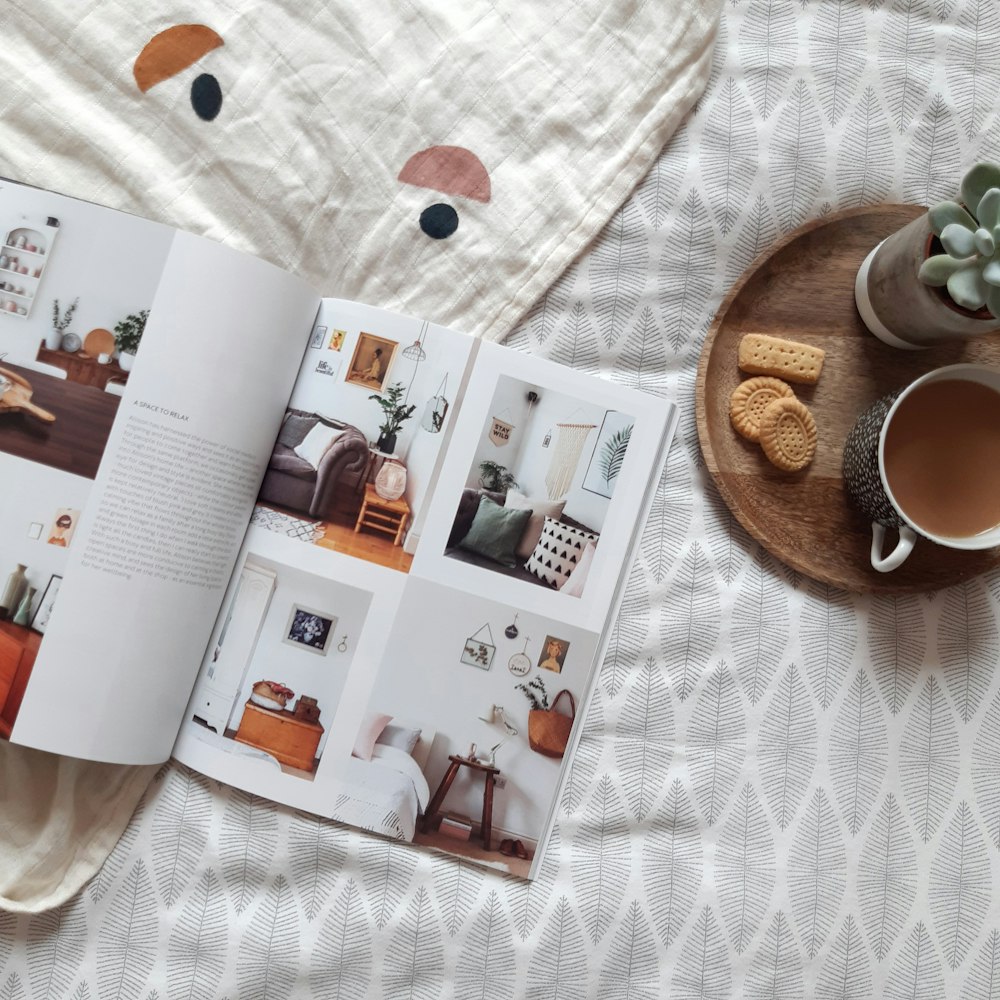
[900, 309]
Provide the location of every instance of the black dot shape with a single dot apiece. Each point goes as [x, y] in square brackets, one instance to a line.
[439, 221]
[206, 97]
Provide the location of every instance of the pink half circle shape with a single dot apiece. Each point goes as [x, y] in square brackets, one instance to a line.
[450, 170]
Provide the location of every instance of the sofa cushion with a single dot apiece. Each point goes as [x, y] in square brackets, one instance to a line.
[495, 532]
[558, 551]
[285, 460]
[317, 443]
[576, 581]
[294, 429]
[540, 508]
[468, 504]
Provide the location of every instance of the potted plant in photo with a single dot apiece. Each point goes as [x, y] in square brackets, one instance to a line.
[937, 279]
[495, 477]
[128, 333]
[394, 415]
[60, 323]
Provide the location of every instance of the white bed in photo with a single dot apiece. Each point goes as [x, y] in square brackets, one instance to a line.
[205, 735]
[387, 793]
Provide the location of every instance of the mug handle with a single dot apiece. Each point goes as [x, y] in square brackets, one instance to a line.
[907, 538]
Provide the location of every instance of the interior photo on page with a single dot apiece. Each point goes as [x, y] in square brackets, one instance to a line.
[542, 487]
[461, 745]
[273, 677]
[354, 462]
[539, 486]
[76, 284]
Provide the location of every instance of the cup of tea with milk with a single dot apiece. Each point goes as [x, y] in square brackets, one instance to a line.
[925, 461]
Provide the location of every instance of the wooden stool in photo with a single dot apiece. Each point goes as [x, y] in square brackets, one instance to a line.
[388, 516]
[488, 772]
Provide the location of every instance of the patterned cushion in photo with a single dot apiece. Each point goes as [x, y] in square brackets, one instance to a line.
[558, 550]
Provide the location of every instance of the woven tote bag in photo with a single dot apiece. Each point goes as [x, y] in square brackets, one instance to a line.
[548, 730]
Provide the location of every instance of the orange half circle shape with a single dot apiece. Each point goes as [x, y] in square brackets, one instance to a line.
[172, 50]
[450, 170]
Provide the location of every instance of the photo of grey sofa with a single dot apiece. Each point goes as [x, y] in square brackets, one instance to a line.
[292, 482]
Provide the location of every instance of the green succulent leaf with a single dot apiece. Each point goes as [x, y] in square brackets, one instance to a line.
[993, 301]
[989, 209]
[983, 239]
[958, 241]
[936, 270]
[967, 288]
[949, 213]
[991, 273]
[977, 182]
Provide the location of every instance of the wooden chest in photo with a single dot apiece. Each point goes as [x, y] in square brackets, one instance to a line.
[292, 741]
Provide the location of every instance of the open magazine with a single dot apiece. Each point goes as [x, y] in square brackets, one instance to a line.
[332, 555]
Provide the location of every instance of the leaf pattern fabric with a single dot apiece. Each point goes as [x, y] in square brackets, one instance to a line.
[887, 878]
[842, 751]
[818, 875]
[858, 752]
[787, 747]
[958, 889]
[196, 953]
[745, 868]
[672, 863]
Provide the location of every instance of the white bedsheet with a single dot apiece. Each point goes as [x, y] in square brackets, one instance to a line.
[384, 794]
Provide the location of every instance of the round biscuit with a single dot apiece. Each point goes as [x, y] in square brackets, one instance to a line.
[788, 434]
[751, 398]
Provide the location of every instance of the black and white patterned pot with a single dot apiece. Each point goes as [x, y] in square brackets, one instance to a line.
[861, 475]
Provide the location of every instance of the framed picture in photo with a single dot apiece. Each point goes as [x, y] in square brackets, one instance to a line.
[318, 337]
[371, 362]
[62, 527]
[309, 629]
[327, 367]
[337, 339]
[553, 654]
[40, 620]
[609, 453]
[477, 653]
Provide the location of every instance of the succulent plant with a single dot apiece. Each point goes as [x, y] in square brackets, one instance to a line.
[970, 235]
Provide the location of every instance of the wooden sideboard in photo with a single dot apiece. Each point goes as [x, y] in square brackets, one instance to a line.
[82, 368]
[18, 649]
[292, 741]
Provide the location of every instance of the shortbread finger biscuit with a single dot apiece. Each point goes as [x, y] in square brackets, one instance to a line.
[788, 434]
[760, 354]
[751, 398]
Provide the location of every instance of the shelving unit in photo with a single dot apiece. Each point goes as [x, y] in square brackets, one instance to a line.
[24, 255]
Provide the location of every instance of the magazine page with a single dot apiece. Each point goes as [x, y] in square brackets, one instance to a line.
[143, 379]
[326, 559]
[399, 664]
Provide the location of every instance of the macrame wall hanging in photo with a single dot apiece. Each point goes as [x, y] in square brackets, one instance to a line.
[565, 458]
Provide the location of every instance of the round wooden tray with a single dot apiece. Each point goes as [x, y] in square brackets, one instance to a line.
[804, 290]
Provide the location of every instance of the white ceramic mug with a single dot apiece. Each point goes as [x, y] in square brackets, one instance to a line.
[866, 483]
